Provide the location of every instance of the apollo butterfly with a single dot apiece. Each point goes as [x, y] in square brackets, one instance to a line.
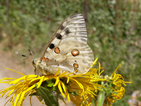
[67, 49]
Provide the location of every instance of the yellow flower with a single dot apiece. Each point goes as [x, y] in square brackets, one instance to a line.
[117, 90]
[80, 89]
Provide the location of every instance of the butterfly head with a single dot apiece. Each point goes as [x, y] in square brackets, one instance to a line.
[36, 63]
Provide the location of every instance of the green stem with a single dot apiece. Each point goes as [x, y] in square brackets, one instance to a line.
[101, 97]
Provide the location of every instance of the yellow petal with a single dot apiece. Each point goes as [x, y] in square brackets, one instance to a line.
[57, 72]
[16, 100]
[68, 79]
[57, 81]
[40, 82]
[60, 89]
[63, 86]
[68, 97]
[15, 71]
[79, 84]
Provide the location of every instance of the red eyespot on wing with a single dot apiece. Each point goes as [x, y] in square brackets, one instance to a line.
[47, 59]
[57, 50]
[75, 52]
[43, 58]
[75, 65]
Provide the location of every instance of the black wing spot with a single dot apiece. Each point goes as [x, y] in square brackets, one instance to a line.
[59, 36]
[62, 27]
[51, 46]
[67, 31]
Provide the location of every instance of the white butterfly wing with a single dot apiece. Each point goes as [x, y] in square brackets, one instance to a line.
[68, 48]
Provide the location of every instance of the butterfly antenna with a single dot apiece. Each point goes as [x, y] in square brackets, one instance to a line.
[31, 53]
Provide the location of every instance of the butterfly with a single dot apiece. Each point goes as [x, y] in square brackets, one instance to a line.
[67, 49]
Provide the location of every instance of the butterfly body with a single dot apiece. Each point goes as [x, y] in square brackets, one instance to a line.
[67, 50]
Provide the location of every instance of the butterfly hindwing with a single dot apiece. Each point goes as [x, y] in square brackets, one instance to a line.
[80, 56]
[68, 47]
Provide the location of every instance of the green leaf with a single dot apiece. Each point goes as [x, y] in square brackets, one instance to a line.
[50, 84]
[49, 98]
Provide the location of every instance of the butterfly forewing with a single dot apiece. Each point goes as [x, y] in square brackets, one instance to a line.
[68, 48]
